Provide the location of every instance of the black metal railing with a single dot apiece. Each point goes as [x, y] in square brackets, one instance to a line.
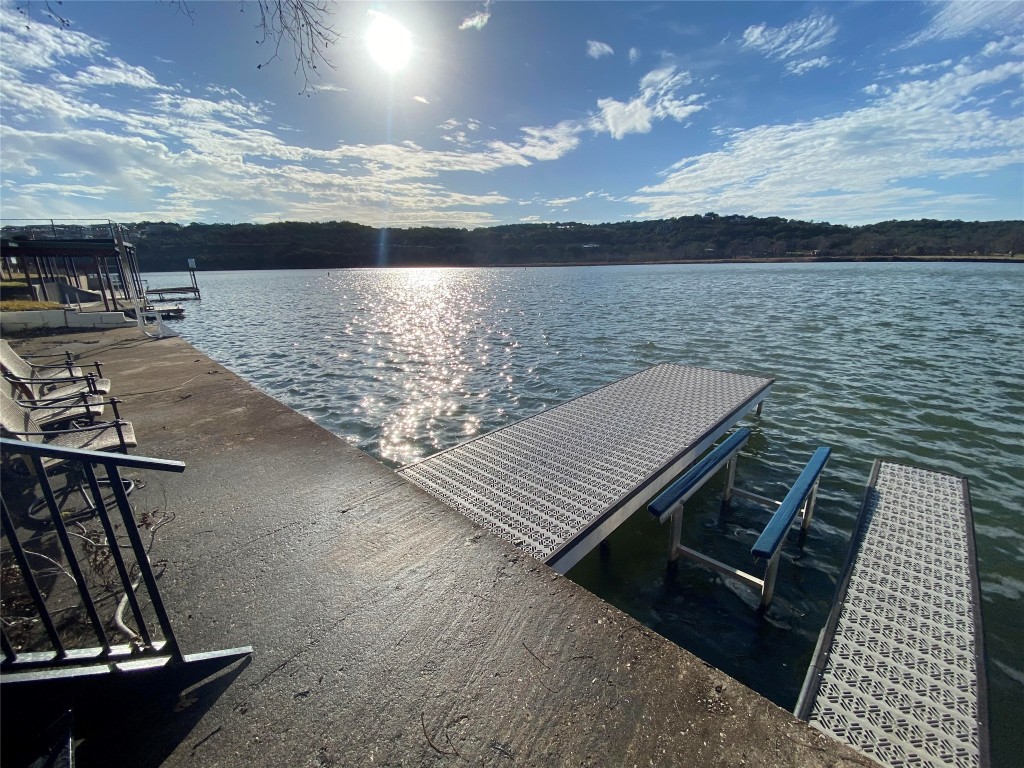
[44, 645]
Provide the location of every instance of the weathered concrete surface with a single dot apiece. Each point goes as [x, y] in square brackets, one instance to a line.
[387, 628]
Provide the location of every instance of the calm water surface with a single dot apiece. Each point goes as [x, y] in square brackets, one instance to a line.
[922, 363]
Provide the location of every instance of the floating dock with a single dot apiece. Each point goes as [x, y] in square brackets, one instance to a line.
[558, 483]
[899, 673]
[183, 293]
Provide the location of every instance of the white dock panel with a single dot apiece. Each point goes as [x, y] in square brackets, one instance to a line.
[900, 673]
[549, 481]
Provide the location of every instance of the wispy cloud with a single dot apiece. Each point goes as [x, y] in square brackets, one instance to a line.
[634, 55]
[920, 69]
[794, 42]
[39, 48]
[220, 156]
[803, 67]
[115, 73]
[559, 202]
[659, 97]
[956, 19]
[477, 20]
[852, 164]
[596, 49]
[421, 99]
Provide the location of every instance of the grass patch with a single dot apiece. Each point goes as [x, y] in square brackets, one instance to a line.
[19, 305]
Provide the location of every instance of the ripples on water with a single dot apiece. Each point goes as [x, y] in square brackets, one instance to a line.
[922, 363]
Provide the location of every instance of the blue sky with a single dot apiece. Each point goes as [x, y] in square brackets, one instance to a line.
[511, 112]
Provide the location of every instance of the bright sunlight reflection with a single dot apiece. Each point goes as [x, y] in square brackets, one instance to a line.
[390, 43]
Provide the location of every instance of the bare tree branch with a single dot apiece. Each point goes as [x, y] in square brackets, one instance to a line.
[25, 9]
[304, 25]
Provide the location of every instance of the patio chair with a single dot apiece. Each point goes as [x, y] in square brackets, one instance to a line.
[18, 423]
[71, 409]
[26, 369]
[36, 384]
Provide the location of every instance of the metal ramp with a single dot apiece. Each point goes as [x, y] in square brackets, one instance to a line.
[558, 483]
[899, 671]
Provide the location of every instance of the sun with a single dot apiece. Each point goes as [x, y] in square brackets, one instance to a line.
[389, 43]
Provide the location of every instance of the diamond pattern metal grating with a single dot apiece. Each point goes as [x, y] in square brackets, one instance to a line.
[541, 481]
[902, 678]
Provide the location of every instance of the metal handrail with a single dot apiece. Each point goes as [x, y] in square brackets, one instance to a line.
[98, 457]
[145, 645]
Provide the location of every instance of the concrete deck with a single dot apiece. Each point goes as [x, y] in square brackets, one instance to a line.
[388, 629]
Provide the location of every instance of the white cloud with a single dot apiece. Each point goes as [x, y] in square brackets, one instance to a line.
[597, 49]
[421, 99]
[477, 21]
[1008, 45]
[958, 19]
[550, 143]
[115, 73]
[794, 42]
[219, 156]
[620, 119]
[879, 158]
[39, 45]
[658, 99]
[634, 55]
[803, 67]
[920, 69]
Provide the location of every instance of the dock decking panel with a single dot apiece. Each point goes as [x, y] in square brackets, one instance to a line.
[900, 670]
[552, 479]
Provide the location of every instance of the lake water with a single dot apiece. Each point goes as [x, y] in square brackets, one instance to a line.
[921, 363]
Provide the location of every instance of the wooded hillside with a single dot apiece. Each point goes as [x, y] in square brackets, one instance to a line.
[290, 245]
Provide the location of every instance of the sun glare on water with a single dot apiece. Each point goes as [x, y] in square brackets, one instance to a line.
[389, 43]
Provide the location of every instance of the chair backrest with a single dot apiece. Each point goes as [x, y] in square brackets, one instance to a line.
[18, 390]
[13, 363]
[16, 418]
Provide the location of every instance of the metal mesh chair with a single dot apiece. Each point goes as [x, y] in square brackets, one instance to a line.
[17, 422]
[42, 380]
[71, 409]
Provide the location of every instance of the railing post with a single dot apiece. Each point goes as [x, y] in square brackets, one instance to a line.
[143, 560]
[69, 554]
[30, 582]
[115, 552]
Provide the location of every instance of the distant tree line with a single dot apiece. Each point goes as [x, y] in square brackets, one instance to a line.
[326, 245]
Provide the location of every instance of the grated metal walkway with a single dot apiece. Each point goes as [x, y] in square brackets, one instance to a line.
[558, 483]
[899, 673]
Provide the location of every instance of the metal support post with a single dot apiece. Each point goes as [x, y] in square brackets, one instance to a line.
[768, 590]
[677, 534]
[808, 511]
[730, 479]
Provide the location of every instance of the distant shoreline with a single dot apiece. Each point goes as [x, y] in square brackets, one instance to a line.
[993, 259]
[1017, 258]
